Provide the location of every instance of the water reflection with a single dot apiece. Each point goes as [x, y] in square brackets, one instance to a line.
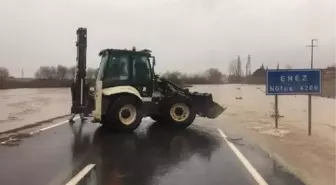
[81, 141]
[141, 157]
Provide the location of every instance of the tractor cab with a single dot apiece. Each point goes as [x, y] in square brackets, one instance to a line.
[127, 68]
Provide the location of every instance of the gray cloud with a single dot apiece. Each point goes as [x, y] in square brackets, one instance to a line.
[186, 35]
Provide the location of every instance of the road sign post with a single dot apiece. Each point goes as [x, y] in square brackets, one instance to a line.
[309, 96]
[294, 82]
[276, 112]
[276, 109]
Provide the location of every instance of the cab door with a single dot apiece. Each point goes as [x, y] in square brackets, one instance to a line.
[142, 75]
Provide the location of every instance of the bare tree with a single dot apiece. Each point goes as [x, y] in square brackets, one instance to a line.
[233, 67]
[53, 72]
[91, 73]
[174, 76]
[214, 75]
[61, 72]
[72, 72]
[46, 72]
[43, 72]
[4, 73]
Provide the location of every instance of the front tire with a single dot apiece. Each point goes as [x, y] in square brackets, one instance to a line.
[179, 113]
[124, 114]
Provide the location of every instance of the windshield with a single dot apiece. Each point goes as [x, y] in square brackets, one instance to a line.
[117, 68]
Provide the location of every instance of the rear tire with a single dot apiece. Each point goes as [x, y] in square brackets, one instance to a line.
[124, 114]
[179, 113]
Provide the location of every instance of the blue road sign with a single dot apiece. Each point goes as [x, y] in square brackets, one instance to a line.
[293, 81]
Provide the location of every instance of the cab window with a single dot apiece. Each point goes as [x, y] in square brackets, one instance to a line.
[141, 69]
[117, 68]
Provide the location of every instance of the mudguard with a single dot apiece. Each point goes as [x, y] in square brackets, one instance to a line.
[121, 89]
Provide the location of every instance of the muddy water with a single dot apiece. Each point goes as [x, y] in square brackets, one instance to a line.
[26, 106]
[256, 108]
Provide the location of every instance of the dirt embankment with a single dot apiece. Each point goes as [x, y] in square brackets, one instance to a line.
[312, 158]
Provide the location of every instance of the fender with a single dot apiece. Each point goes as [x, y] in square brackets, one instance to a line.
[97, 113]
[121, 89]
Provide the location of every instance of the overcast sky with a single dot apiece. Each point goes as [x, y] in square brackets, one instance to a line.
[185, 35]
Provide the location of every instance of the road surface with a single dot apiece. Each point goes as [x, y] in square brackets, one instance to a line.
[199, 155]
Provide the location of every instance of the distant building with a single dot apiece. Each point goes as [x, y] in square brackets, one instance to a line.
[257, 77]
[260, 72]
[329, 73]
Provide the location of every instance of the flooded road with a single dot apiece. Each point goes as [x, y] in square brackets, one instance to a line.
[153, 154]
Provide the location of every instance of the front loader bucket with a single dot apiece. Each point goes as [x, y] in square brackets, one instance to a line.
[205, 105]
[214, 110]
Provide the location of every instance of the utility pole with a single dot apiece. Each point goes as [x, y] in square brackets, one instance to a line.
[309, 96]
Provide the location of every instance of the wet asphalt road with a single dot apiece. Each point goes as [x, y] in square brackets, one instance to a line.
[152, 155]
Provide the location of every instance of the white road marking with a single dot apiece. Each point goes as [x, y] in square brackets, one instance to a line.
[67, 121]
[37, 131]
[79, 176]
[55, 125]
[257, 177]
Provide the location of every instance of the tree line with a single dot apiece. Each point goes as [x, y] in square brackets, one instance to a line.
[209, 76]
[4, 73]
[60, 72]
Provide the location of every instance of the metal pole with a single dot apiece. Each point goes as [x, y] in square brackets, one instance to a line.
[276, 108]
[276, 111]
[309, 96]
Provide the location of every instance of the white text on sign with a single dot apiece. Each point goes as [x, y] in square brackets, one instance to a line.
[296, 78]
[303, 88]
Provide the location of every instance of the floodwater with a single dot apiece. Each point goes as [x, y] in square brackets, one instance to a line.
[25, 106]
[251, 101]
[20, 107]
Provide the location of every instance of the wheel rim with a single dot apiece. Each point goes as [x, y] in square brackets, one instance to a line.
[179, 112]
[127, 114]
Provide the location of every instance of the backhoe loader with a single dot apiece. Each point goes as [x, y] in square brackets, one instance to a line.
[126, 89]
